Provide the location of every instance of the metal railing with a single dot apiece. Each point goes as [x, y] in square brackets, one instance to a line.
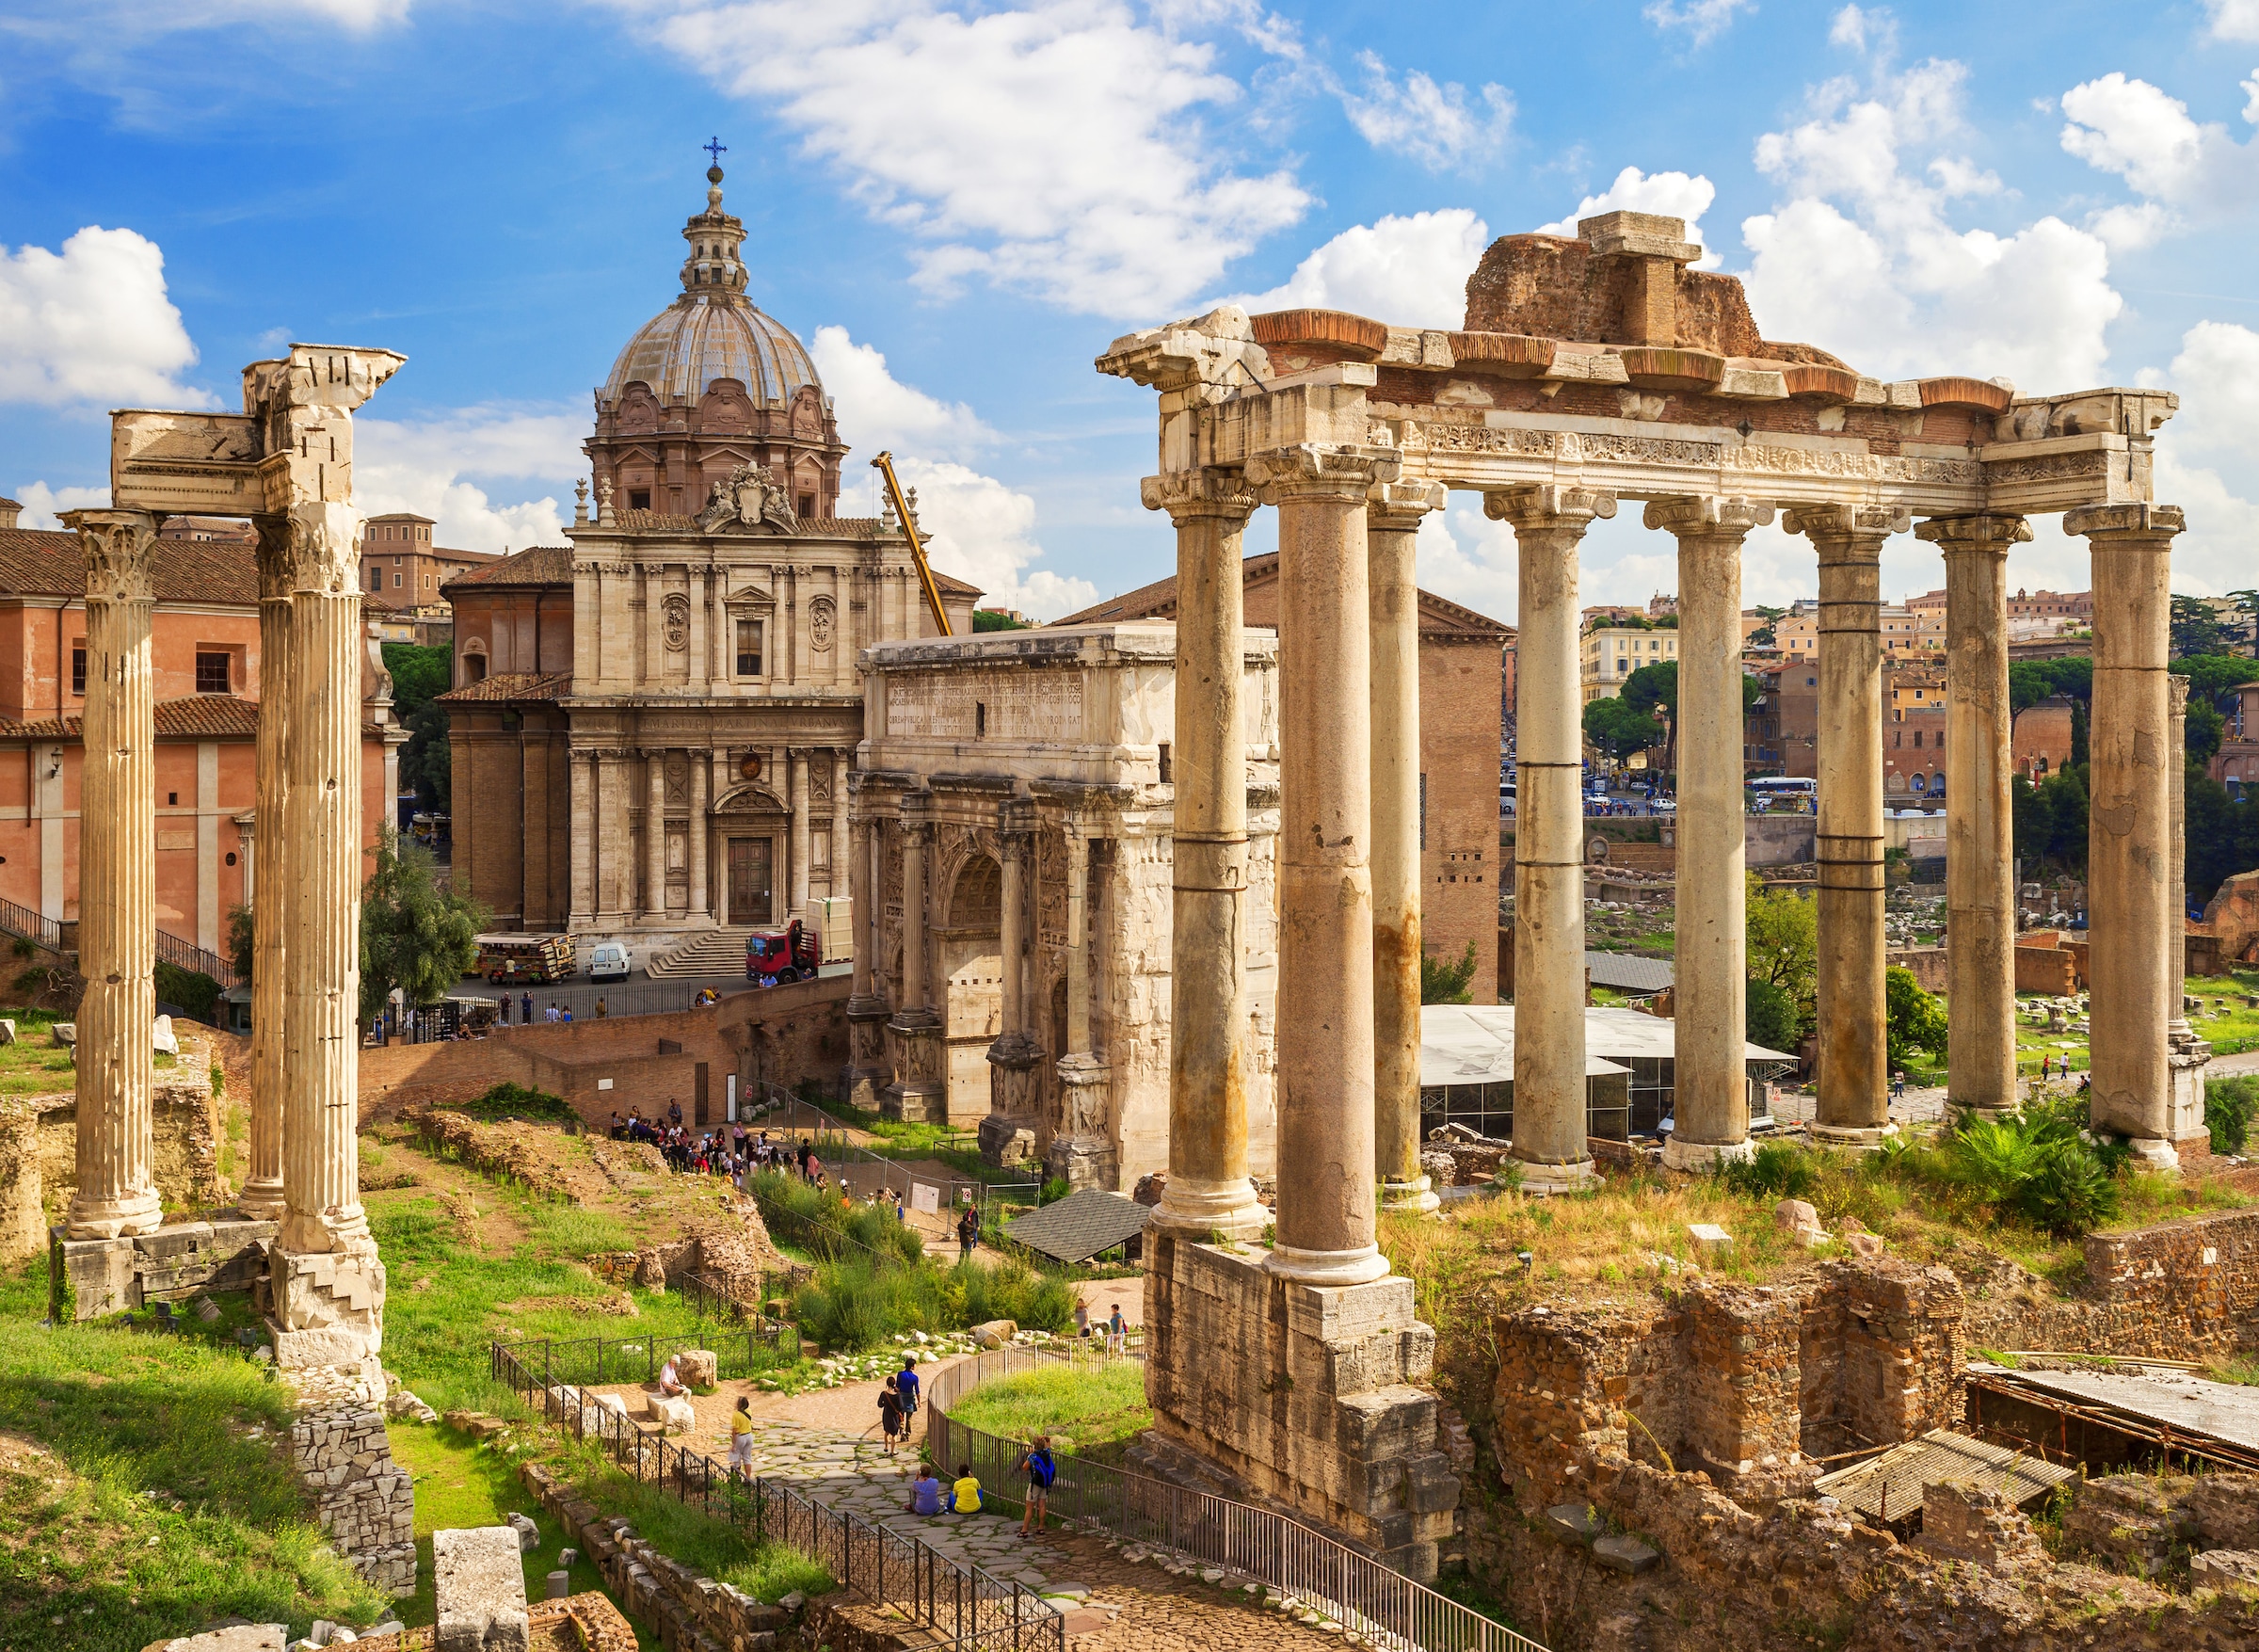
[1381, 1606]
[187, 955]
[860, 1170]
[709, 1298]
[964, 1603]
[23, 920]
[593, 1361]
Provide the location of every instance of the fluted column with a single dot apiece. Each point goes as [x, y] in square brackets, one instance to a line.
[1208, 1189]
[803, 839]
[1081, 1150]
[1549, 1137]
[920, 1087]
[1854, 1066]
[1392, 517]
[842, 761]
[1712, 972]
[866, 1073]
[1980, 851]
[696, 850]
[261, 1195]
[1327, 1232]
[2133, 915]
[1014, 1087]
[655, 836]
[581, 768]
[329, 1283]
[117, 1192]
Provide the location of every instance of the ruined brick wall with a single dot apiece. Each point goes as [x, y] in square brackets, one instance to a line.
[363, 1499]
[1880, 1353]
[2183, 1289]
[1738, 1364]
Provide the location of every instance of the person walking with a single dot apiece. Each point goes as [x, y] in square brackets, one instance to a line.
[740, 1437]
[906, 1384]
[1041, 1470]
[600, 1011]
[525, 1009]
[1117, 1332]
[890, 1413]
[968, 1232]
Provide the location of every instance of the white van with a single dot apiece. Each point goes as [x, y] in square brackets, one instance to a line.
[608, 961]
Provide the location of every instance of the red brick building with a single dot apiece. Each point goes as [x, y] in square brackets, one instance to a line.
[402, 568]
[1462, 687]
[204, 647]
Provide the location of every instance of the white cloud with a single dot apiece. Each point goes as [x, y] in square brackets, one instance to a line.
[43, 505]
[881, 410]
[1703, 19]
[2148, 138]
[976, 527]
[1861, 259]
[2207, 460]
[1438, 126]
[2234, 19]
[92, 324]
[1058, 148]
[1672, 194]
[1865, 29]
[437, 467]
[1407, 271]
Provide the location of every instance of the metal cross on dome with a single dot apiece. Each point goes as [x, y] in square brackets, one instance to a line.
[717, 149]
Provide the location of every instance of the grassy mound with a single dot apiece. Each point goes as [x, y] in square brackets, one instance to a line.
[1101, 1410]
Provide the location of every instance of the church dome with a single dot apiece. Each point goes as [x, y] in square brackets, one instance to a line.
[712, 330]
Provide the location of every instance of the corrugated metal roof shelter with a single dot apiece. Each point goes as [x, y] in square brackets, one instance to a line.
[1455, 1038]
[1888, 1488]
[2106, 1417]
[1080, 1225]
[1628, 971]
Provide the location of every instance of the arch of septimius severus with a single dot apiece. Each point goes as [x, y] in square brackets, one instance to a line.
[286, 462]
[1591, 371]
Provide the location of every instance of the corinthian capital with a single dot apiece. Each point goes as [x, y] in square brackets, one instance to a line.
[2095, 521]
[1991, 533]
[1187, 494]
[1706, 515]
[323, 554]
[1313, 472]
[120, 550]
[1400, 504]
[1548, 504]
[1846, 521]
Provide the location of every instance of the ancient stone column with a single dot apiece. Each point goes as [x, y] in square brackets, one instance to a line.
[614, 873]
[117, 1191]
[1327, 1221]
[1208, 1189]
[1855, 1068]
[803, 836]
[866, 1072]
[1549, 1139]
[695, 846]
[261, 1195]
[2133, 915]
[1980, 854]
[1081, 1151]
[655, 836]
[1711, 971]
[1015, 1092]
[2189, 1055]
[1392, 517]
[842, 761]
[581, 768]
[327, 1281]
[920, 1087]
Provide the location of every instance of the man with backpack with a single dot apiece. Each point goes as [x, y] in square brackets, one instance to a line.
[1041, 1468]
[907, 1385]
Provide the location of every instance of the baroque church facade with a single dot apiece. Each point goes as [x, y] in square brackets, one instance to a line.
[653, 726]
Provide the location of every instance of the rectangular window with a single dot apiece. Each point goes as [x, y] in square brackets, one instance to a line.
[396, 582]
[749, 648]
[1423, 810]
[980, 718]
[376, 579]
[1168, 765]
[78, 672]
[212, 674]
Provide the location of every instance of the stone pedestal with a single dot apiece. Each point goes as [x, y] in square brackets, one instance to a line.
[1081, 1152]
[1306, 1393]
[866, 1075]
[1550, 1136]
[919, 1054]
[1015, 1100]
[1711, 1108]
[1980, 866]
[117, 1193]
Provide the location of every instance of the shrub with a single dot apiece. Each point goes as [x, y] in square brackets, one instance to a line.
[508, 1100]
[1769, 1014]
[1775, 1171]
[1913, 1019]
[2040, 1164]
[1009, 1290]
[188, 989]
[2229, 1104]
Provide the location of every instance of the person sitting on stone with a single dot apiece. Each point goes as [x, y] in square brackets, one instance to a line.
[619, 1127]
[964, 1496]
[926, 1497]
[671, 1382]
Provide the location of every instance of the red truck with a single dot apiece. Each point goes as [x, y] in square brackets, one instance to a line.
[780, 954]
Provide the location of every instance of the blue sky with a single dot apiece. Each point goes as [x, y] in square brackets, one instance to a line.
[957, 207]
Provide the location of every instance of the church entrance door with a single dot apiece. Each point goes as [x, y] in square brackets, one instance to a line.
[750, 895]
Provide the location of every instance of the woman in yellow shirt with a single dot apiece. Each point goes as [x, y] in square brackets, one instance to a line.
[964, 1497]
[741, 1435]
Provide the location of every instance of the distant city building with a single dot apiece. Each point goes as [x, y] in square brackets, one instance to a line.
[1914, 732]
[401, 565]
[1618, 642]
[2040, 742]
[2236, 762]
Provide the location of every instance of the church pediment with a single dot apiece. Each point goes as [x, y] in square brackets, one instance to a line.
[750, 800]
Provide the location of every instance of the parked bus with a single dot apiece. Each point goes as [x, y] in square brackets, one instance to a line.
[1778, 791]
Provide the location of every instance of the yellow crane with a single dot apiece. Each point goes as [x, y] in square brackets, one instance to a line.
[883, 464]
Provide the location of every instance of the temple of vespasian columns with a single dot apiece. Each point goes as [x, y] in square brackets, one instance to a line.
[1591, 370]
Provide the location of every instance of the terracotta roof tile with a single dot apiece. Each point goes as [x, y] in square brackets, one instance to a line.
[47, 562]
[537, 565]
[1439, 617]
[508, 686]
[198, 716]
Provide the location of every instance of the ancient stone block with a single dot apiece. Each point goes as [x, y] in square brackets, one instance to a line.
[1624, 1554]
[2221, 1566]
[672, 1413]
[479, 1584]
[697, 1368]
[235, 1638]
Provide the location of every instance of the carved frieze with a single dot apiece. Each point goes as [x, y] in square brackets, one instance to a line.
[675, 618]
[823, 620]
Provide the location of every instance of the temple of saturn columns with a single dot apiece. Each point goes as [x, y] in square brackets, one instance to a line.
[286, 462]
[1591, 370]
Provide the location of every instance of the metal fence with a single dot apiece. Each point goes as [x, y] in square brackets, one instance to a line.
[23, 920]
[859, 1171]
[593, 1361]
[710, 1299]
[969, 1606]
[1382, 1607]
[187, 955]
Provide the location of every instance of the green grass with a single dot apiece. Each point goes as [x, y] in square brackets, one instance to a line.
[1101, 1410]
[178, 1508]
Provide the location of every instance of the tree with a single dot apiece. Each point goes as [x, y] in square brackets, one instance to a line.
[1447, 983]
[996, 619]
[1769, 1017]
[2212, 675]
[2030, 681]
[2205, 726]
[421, 673]
[1783, 944]
[1760, 638]
[240, 950]
[1617, 730]
[2196, 630]
[1913, 1019]
[2050, 820]
[414, 935]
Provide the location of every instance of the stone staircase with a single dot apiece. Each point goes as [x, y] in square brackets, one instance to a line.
[718, 951]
